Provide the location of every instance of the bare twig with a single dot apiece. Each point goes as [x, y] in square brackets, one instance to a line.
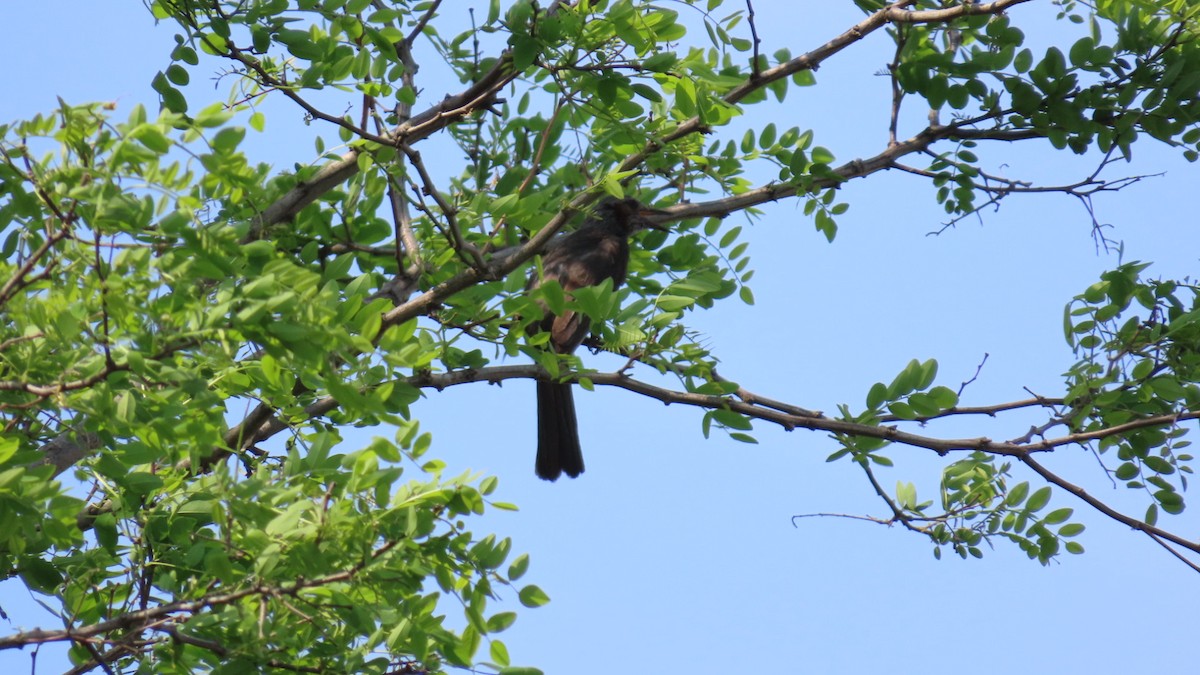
[897, 90]
[755, 64]
[978, 369]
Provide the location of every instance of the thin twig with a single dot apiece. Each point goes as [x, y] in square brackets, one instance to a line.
[755, 64]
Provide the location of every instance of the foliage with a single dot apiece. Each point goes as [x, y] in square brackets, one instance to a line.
[169, 305]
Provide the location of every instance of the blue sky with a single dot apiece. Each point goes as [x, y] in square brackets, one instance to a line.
[678, 554]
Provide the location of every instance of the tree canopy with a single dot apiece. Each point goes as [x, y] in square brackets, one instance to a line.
[190, 336]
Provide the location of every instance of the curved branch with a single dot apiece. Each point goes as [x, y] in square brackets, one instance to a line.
[754, 407]
[812, 60]
[747, 406]
[1107, 510]
[412, 130]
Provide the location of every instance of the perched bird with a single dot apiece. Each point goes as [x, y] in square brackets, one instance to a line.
[598, 250]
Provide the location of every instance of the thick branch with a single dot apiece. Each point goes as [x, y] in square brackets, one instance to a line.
[812, 60]
[747, 404]
[417, 128]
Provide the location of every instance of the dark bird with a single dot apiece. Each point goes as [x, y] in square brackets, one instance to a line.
[598, 250]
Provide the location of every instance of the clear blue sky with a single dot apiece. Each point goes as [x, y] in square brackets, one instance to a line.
[676, 554]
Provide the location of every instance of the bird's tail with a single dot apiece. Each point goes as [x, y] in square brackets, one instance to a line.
[558, 433]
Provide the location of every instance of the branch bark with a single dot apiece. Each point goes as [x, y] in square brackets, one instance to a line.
[769, 410]
[149, 619]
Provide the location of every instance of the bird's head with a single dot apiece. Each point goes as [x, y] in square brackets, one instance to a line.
[629, 215]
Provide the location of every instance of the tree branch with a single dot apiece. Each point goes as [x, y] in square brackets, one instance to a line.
[146, 619]
[1142, 526]
[750, 405]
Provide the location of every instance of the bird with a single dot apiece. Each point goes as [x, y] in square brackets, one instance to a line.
[598, 250]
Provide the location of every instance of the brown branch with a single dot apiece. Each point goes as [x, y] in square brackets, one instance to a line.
[97, 657]
[146, 619]
[989, 410]
[755, 65]
[1172, 551]
[1022, 451]
[430, 12]
[21, 338]
[898, 514]
[406, 238]
[897, 15]
[751, 408]
[812, 60]
[21, 278]
[850, 516]
[220, 650]
[470, 254]
[1107, 510]
[897, 91]
[410, 131]
[45, 390]
[501, 265]
[266, 79]
[424, 124]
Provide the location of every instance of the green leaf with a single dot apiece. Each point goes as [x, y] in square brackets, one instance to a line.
[1158, 465]
[766, 138]
[518, 567]
[1038, 499]
[1017, 494]
[127, 407]
[501, 621]
[928, 372]
[746, 295]
[552, 293]
[730, 236]
[1081, 51]
[499, 653]
[685, 97]
[732, 419]
[525, 51]
[1127, 471]
[1057, 516]
[1070, 529]
[177, 75]
[944, 397]
[171, 98]
[40, 574]
[877, 395]
[661, 62]
[532, 596]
